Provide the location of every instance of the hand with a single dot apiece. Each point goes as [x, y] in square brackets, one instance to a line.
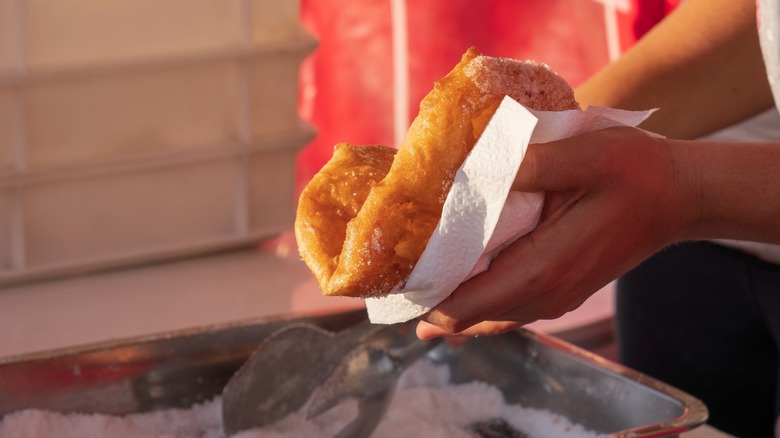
[613, 198]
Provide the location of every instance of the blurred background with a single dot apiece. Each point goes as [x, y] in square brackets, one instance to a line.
[151, 151]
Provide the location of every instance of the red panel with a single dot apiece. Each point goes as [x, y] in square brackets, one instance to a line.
[347, 84]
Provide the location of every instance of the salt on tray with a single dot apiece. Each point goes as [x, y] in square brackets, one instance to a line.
[425, 404]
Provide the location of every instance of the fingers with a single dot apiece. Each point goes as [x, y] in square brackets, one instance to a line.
[541, 275]
[570, 163]
[426, 330]
[513, 283]
[554, 166]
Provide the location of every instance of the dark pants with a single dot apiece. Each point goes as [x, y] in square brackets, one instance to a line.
[706, 319]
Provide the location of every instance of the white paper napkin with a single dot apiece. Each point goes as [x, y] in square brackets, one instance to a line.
[481, 216]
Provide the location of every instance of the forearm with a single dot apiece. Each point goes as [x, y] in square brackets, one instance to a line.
[702, 67]
[734, 189]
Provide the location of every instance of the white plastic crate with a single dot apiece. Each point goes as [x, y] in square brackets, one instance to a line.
[78, 32]
[268, 174]
[10, 15]
[126, 115]
[6, 211]
[10, 129]
[90, 219]
[273, 21]
[274, 95]
[139, 130]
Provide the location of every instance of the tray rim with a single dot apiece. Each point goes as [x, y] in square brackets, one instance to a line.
[694, 413]
[91, 347]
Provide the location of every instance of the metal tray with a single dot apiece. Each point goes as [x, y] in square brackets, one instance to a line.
[182, 368]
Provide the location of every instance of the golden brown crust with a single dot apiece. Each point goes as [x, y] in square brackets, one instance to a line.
[384, 240]
[333, 198]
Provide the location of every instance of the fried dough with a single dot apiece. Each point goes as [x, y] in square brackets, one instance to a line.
[333, 198]
[386, 221]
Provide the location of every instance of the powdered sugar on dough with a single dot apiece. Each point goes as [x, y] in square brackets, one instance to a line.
[531, 83]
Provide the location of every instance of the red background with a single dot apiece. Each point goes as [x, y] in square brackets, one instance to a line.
[347, 83]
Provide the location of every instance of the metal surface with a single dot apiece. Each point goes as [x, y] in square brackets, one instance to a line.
[286, 368]
[181, 368]
[368, 374]
[277, 379]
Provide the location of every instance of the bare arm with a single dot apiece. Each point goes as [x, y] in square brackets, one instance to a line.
[701, 66]
[736, 188]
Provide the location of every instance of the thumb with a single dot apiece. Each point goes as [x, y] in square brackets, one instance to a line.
[553, 167]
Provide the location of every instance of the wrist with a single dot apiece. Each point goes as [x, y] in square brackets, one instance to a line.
[730, 190]
[689, 189]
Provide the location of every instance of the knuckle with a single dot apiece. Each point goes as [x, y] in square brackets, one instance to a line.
[458, 326]
[449, 325]
[528, 178]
